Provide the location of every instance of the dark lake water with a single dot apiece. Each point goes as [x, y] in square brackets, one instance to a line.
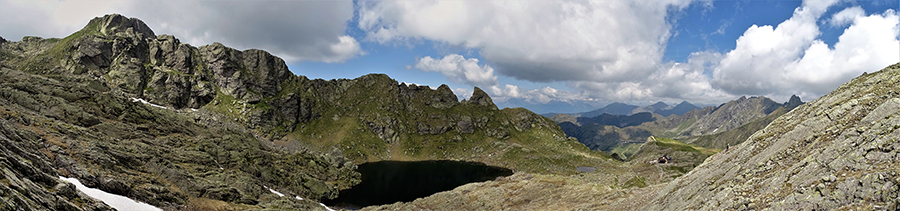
[386, 182]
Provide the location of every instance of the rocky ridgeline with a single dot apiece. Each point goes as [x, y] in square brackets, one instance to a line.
[837, 152]
[730, 115]
[252, 86]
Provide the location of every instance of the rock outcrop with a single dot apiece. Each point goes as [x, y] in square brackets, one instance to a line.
[479, 97]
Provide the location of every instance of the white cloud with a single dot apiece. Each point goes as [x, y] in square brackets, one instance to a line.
[790, 58]
[671, 82]
[535, 40]
[459, 69]
[49, 18]
[542, 95]
[293, 30]
[846, 16]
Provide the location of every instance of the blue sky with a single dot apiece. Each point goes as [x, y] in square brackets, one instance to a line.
[532, 53]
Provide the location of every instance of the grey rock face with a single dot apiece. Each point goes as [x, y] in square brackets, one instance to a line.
[730, 115]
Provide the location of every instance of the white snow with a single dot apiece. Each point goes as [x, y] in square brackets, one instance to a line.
[148, 103]
[115, 201]
[298, 198]
[326, 207]
[275, 192]
[194, 109]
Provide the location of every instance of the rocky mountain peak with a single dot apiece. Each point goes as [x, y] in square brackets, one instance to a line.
[793, 102]
[479, 97]
[114, 24]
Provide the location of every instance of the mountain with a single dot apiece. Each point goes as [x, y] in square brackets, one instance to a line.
[731, 115]
[626, 109]
[656, 107]
[680, 109]
[550, 107]
[711, 127]
[612, 108]
[836, 152]
[145, 116]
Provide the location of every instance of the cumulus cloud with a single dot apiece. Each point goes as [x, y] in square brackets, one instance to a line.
[670, 82]
[542, 95]
[846, 16]
[459, 69]
[535, 40]
[293, 30]
[789, 58]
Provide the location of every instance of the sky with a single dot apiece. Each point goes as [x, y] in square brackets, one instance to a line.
[531, 53]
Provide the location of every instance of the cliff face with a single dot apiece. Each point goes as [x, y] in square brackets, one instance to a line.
[838, 151]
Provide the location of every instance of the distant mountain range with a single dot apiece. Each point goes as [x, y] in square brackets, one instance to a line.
[615, 127]
[618, 108]
[553, 106]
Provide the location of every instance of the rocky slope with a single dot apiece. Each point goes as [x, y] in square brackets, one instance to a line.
[731, 115]
[78, 127]
[837, 152]
[148, 117]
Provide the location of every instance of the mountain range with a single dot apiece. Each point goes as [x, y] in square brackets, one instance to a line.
[712, 126]
[148, 117]
[617, 108]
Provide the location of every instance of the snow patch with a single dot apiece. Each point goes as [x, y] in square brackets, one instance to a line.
[296, 197]
[326, 207]
[275, 192]
[115, 201]
[148, 103]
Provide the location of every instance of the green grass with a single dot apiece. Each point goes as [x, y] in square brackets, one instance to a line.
[626, 149]
[681, 146]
